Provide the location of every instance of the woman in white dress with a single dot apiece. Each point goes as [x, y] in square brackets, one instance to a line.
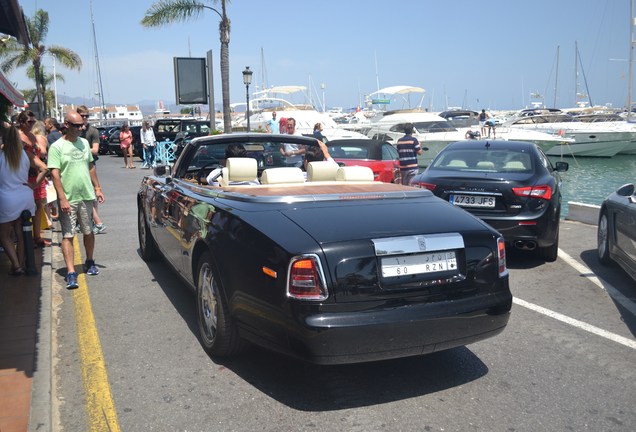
[16, 194]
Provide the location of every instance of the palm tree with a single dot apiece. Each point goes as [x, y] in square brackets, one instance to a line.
[15, 54]
[168, 11]
[49, 95]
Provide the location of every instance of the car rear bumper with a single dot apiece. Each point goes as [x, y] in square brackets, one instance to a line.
[393, 332]
[542, 229]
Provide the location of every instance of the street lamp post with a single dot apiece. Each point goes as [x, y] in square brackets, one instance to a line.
[247, 80]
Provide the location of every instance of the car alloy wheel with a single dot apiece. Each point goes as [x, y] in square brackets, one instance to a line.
[602, 238]
[207, 304]
[147, 246]
[219, 335]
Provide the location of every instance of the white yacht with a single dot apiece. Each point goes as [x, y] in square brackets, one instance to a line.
[306, 116]
[601, 139]
[435, 132]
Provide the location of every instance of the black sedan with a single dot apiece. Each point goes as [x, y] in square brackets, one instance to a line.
[617, 230]
[337, 271]
[510, 185]
[104, 134]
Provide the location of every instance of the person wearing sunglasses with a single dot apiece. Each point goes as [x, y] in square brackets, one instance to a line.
[77, 186]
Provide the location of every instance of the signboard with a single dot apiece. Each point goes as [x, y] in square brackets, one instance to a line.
[190, 79]
[380, 101]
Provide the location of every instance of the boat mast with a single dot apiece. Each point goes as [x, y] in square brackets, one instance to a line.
[576, 73]
[631, 59]
[556, 78]
[98, 70]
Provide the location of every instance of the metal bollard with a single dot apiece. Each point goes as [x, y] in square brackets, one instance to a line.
[27, 234]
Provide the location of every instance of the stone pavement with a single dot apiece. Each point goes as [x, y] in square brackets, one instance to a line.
[25, 345]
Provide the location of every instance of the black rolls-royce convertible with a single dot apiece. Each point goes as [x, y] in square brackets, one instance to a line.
[325, 265]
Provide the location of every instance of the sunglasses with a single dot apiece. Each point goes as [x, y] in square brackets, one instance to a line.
[84, 116]
[76, 125]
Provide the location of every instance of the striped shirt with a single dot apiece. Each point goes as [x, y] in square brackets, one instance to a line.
[408, 147]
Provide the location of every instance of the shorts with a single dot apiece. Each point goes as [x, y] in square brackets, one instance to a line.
[124, 146]
[39, 192]
[82, 214]
[407, 175]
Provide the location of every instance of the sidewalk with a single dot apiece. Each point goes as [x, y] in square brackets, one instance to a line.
[25, 345]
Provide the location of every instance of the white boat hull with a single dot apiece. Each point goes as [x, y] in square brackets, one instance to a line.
[590, 139]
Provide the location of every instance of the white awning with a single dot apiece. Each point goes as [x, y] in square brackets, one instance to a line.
[398, 90]
[11, 93]
[281, 90]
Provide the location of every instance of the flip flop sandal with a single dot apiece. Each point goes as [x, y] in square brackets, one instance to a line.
[17, 272]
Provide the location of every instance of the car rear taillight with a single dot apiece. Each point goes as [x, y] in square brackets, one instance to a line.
[424, 185]
[542, 191]
[501, 257]
[306, 280]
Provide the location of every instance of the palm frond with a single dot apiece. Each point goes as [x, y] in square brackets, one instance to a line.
[66, 57]
[38, 27]
[169, 11]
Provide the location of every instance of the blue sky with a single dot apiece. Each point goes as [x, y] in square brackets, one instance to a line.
[478, 54]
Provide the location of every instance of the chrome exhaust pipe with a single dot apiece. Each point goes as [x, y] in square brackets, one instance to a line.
[525, 245]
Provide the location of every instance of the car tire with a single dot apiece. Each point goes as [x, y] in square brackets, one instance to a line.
[218, 332]
[602, 239]
[550, 253]
[147, 247]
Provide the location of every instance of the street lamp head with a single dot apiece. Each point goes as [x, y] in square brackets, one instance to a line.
[247, 76]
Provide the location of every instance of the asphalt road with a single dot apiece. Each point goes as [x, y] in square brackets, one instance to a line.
[566, 361]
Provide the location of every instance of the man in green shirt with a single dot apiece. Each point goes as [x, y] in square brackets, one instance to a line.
[75, 180]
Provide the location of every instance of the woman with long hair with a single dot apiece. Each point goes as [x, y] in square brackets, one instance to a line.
[38, 146]
[16, 194]
[125, 143]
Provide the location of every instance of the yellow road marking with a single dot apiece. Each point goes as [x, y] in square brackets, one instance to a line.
[100, 406]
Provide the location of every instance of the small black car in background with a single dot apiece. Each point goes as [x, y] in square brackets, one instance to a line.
[617, 230]
[512, 186]
[113, 142]
[104, 134]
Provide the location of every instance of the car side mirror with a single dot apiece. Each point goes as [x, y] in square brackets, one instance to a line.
[562, 166]
[625, 190]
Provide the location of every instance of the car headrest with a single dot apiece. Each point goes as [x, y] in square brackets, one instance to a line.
[239, 170]
[458, 163]
[322, 171]
[354, 173]
[485, 165]
[515, 165]
[282, 175]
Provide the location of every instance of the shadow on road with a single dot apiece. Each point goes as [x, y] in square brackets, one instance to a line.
[309, 387]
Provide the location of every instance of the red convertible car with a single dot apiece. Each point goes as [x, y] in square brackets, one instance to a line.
[380, 156]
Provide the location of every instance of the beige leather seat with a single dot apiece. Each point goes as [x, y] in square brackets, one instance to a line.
[485, 165]
[354, 173]
[457, 163]
[515, 165]
[239, 170]
[322, 171]
[282, 175]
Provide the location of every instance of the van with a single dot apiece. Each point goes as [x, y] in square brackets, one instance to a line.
[176, 129]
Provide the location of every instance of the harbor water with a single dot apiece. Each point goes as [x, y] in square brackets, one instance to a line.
[591, 180]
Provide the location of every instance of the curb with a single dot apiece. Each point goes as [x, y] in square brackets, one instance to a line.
[40, 417]
[585, 213]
